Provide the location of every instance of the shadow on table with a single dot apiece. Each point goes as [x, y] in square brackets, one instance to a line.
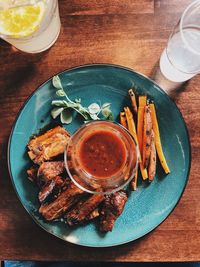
[173, 89]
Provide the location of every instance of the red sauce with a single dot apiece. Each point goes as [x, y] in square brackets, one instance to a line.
[102, 154]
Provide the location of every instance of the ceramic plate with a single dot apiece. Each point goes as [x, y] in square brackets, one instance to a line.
[151, 203]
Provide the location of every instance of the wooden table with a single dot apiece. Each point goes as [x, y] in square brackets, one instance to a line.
[126, 32]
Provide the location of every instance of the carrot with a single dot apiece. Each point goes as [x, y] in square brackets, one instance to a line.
[132, 130]
[140, 117]
[142, 104]
[157, 140]
[134, 181]
[152, 160]
[131, 123]
[133, 100]
[123, 120]
[146, 150]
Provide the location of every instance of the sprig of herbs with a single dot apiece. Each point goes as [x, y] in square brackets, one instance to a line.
[63, 108]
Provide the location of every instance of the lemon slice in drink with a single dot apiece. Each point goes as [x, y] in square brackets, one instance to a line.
[21, 21]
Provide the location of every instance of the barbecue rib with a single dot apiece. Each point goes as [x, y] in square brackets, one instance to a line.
[32, 173]
[51, 171]
[93, 215]
[49, 145]
[46, 191]
[111, 210]
[62, 204]
[82, 211]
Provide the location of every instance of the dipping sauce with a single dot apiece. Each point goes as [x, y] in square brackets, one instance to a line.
[102, 154]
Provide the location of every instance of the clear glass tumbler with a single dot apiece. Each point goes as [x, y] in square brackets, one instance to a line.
[180, 60]
[46, 34]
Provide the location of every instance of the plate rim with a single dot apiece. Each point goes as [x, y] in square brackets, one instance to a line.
[75, 68]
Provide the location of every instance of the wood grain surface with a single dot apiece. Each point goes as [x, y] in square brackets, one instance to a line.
[131, 33]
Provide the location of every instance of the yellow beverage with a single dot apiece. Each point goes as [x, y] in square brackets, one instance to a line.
[31, 28]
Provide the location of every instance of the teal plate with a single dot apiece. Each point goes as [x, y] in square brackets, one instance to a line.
[151, 203]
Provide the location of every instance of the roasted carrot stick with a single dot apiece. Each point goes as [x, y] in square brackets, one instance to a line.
[131, 123]
[134, 181]
[152, 161]
[133, 100]
[140, 120]
[123, 120]
[147, 130]
[132, 130]
[157, 140]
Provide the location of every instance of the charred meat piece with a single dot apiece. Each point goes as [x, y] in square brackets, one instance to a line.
[49, 180]
[81, 212]
[46, 191]
[93, 215]
[50, 171]
[52, 189]
[32, 173]
[63, 203]
[111, 210]
[49, 145]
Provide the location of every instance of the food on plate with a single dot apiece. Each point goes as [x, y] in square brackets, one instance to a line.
[51, 170]
[59, 206]
[140, 122]
[152, 160]
[132, 129]
[64, 108]
[58, 195]
[81, 212]
[111, 210]
[102, 153]
[147, 132]
[131, 123]
[32, 173]
[46, 190]
[157, 140]
[147, 136]
[47, 146]
[101, 157]
[99, 152]
[123, 120]
[133, 100]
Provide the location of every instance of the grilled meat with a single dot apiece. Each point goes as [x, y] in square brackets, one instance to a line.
[46, 191]
[93, 215]
[49, 145]
[51, 171]
[32, 173]
[81, 212]
[62, 204]
[111, 210]
[64, 197]
[49, 180]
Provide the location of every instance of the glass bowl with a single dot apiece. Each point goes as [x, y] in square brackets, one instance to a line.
[97, 184]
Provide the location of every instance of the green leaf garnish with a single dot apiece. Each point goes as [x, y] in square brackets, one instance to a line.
[59, 103]
[60, 93]
[107, 113]
[55, 112]
[106, 105]
[64, 107]
[94, 108]
[66, 116]
[56, 82]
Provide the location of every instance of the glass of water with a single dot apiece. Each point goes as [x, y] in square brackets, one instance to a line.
[180, 60]
[28, 37]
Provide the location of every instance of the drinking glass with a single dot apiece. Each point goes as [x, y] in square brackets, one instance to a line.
[180, 60]
[45, 36]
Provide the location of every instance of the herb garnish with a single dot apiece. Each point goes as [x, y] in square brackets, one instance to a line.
[63, 108]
